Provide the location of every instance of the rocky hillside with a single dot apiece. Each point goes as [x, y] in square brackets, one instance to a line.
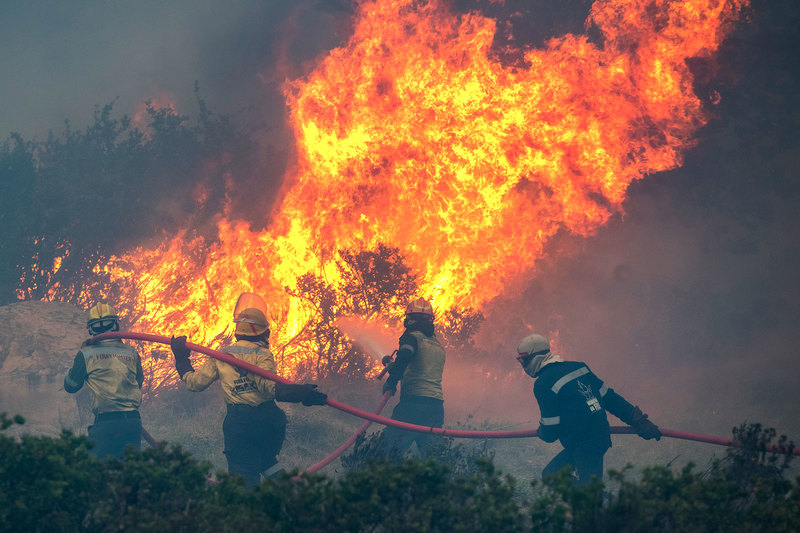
[38, 342]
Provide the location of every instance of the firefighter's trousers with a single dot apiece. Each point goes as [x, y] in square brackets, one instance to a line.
[113, 431]
[253, 438]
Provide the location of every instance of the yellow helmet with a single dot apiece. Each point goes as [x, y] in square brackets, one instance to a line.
[250, 315]
[102, 318]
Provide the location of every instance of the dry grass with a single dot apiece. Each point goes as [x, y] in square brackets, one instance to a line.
[194, 420]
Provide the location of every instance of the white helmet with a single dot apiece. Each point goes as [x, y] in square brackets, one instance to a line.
[533, 345]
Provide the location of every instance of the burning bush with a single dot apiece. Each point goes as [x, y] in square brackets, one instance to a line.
[78, 197]
[374, 286]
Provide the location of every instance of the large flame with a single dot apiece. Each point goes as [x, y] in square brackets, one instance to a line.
[416, 135]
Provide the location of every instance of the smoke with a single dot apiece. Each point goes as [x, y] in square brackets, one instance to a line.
[688, 303]
[377, 340]
[61, 59]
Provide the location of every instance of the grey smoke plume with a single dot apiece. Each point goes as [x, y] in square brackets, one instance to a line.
[60, 59]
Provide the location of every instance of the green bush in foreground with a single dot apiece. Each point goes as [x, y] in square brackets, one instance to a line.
[747, 491]
[53, 484]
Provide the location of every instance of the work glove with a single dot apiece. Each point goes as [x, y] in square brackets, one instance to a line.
[389, 386]
[644, 428]
[181, 353]
[313, 396]
[387, 360]
[305, 393]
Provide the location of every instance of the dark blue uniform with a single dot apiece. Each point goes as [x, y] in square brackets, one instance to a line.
[573, 403]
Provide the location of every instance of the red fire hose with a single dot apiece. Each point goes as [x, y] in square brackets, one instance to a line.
[349, 442]
[403, 425]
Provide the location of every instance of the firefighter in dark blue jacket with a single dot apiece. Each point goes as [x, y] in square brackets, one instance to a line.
[573, 404]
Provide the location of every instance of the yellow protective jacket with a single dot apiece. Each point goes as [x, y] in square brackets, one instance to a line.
[238, 386]
[423, 375]
[113, 371]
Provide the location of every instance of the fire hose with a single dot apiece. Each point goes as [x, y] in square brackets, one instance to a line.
[349, 442]
[374, 417]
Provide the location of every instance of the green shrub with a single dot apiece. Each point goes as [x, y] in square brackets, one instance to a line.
[53, 484]
[46, 484]
[462, 458]
[747, 491]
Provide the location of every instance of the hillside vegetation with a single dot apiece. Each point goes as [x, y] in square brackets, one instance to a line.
[53, 484]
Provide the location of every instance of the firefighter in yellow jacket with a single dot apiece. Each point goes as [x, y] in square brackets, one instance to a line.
[418, 366]
[113, 372]
[255, 427]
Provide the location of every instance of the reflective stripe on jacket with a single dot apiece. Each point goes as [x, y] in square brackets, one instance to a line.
[238, 386]
[423, 375]
[573, 403]
[568, 395]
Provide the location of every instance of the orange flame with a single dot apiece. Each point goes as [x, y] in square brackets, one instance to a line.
[414, 134]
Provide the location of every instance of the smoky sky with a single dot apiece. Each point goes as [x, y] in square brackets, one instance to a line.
[60, 59]
[688, 302]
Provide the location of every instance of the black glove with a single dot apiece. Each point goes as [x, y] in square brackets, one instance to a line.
[644, 428]
[387, 360]
[305, 393]
[313, 396]
[181, 353]
[390, 386]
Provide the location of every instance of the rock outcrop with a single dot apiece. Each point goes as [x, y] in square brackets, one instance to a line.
[38, 343]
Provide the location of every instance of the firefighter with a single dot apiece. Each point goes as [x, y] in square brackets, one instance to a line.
[254, 427]
[418, 365]
[573, 404]
[113, 371]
